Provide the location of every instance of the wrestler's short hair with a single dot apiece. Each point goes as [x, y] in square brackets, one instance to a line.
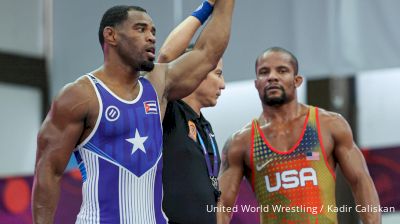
[115, 16]
[293, 59]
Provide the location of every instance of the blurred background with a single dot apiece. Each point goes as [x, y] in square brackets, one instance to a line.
[348, 51]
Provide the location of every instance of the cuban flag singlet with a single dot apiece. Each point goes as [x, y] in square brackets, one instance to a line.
[121, 160]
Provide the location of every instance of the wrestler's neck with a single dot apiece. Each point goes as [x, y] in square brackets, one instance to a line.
[283, 113]
[193, 103]
[117, 71]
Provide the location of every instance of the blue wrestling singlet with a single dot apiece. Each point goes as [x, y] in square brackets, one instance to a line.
[121, 160]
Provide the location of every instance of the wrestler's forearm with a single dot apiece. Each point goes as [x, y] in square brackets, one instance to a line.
[366, 197]
[215, 36]
[178, 40]
[45, 196]
[223, 217]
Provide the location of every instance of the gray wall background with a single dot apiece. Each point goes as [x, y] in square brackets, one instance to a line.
[21, 27]
[329, 37]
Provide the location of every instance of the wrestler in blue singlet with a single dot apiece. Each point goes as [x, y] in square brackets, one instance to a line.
[120, 160]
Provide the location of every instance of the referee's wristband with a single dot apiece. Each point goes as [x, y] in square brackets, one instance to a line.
[203, 11]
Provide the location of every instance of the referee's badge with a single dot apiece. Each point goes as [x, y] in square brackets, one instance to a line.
[192, 131]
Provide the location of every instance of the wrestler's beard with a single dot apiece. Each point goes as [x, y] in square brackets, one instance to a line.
[135, 59]
[146, 66]
[275, 101]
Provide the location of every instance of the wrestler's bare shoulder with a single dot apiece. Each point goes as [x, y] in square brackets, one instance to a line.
[157, 74]
[77, 96]
[242, 136]
[330, 119]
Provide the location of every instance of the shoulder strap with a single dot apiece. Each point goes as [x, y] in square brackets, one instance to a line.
[312, 117]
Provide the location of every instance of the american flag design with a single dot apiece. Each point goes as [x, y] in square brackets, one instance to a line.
[312, 156]
[298, 177]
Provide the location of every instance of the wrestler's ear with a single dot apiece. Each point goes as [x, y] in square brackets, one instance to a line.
[256, 83]
[109, 34]
[298, 80]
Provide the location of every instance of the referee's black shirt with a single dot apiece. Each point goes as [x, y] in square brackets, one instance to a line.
[188, 191]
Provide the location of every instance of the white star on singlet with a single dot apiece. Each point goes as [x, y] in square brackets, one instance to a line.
[137, 142]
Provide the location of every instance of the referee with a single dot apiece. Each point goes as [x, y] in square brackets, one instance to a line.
[190, 157]
[188, 189]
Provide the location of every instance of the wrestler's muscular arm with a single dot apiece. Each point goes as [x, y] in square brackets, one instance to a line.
[180, 77]
[231, 173]
[56, 140]
[179, 38]
[353, 165]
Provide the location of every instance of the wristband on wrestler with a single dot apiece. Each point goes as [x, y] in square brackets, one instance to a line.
[203, 11]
